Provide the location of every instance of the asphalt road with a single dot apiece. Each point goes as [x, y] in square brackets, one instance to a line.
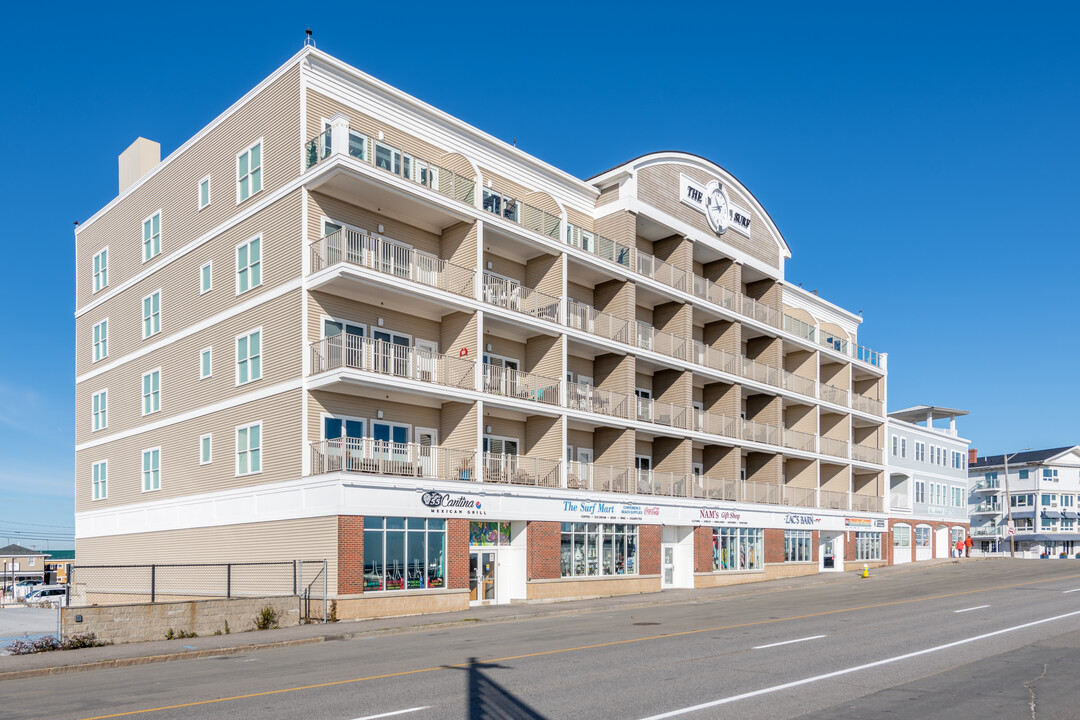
[994, 639]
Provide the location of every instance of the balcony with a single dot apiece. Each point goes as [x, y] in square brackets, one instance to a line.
[866, 405]
[986, 508]
[663, 272]
[799, 384]
[397, 261]
[986, 486]
[602, 324]
[513, 296]
[588, 398]
[663, 413]
[761, 432]
[759, 311]
[507, 469]
[507, 382]
[521, 214]
[992, 532]
[797, 440]
[411, 460]
[862, 453]
[364, 455]
[834, 395]
[799, 328]
[834, 447]
[658, 341]
[715, 293]
[388, 359]
[718, 360]
[762, 373]
[899, 501]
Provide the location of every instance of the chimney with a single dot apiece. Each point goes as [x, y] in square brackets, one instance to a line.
[973, 456]
[140, 158]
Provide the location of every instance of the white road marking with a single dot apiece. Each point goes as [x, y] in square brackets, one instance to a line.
[788, 642]
[1069, 591]
[857, 668]
[977, 607]
[396, 712]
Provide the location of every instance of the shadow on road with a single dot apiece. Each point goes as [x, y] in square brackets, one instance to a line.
[488, 700]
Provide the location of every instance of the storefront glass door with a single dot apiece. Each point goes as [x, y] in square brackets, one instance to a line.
[482, 576]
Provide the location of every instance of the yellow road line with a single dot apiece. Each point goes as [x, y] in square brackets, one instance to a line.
[575, 649]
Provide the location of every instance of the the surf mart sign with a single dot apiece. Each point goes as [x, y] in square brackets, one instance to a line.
[713, 201]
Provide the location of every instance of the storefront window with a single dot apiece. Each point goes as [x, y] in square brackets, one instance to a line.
[738, 548]
[797, 546]
[489, 533]
[922, 536]
[404, 553]
[867, 546]
[599, 549]
[901, 536]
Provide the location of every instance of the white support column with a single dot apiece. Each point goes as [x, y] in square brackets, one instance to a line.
[339, 134]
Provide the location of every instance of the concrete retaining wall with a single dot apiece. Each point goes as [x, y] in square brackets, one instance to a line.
[151, 621]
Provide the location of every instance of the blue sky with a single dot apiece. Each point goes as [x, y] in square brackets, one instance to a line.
[918, 157]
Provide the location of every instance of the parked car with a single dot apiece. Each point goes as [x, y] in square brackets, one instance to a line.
[47, 596]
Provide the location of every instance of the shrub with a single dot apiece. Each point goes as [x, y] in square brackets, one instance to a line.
[50, 643]
[266, 619]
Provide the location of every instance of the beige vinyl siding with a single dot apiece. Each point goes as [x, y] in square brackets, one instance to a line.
[275, 541]
[321, 305]
[366, 408]
[181, 389]
[323, 206]
[505, 427]
[543, 437]
[181, 473]
[580, 293]
[643, 381]
[579, 439]
[459, 426]
[503, 266]
[543, 356]
[504, 348]
[579, 218]
[658, 185]
[608, 195]
[642, 447]
[505, 185]
[273, 115]
[320, 107]
[579, 366]
[182, 305]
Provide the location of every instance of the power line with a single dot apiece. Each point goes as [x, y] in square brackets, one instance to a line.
[16, 522]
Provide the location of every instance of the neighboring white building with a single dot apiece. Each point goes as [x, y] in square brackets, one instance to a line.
[927, 470]
[1042, 488]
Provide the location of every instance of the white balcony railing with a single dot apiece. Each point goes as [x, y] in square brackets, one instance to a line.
[800, 384]
[404, 263]
[834, 500]
[754, 370]
[364, 455]
[714, 359]
[520, 470]
[384, 358]
[834, 395]
[862, 453]
[715, 293]
[899, 501]
[798, 440]
[761, 432]
[662, 272]
[865, 503]
[760, 311]
[514, 296]
[508, 382]
[589, 398]
[833, 447]
[866, 405]
[605, 325]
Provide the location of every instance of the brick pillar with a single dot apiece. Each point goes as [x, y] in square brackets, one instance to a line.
[350, 555]
[774, 545]
[703, 549]
[457, 553]
[815, 538]
[649, 549]
[543, 551]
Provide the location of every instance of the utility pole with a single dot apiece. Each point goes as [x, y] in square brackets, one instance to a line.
[1011, 529]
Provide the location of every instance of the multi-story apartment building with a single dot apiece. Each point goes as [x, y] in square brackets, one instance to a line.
[1041, 490]
[927, 470]
[339, 323]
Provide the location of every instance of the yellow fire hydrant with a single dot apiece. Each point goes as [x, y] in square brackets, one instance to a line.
[866, 571]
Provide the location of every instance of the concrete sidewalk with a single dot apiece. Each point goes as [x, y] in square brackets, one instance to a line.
[15, 667]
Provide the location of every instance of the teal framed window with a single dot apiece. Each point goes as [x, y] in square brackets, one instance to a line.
[249, 449]
[151, 311]
[205, 363]
[151, 469]
[151, 233]
[151, 392]
[101, 340]
[101, 269]
[204, 192]
[99, 419]
[248, 265]
[249, 357]
[100, 483]
[249, 172]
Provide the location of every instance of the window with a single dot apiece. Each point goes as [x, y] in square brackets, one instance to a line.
[895, 445]
[920, 451]
[1050, 474]
[903, 447]
[1049, 500]
[204, 450]
[738, 548]
[206, 283]
[151, 312]
[922, 536]
[100, 483]
[249, 357]
[1024, 500]
[205, 366]
[797, 546]
[599, 549]
[249, 449]
[504, 205]
[249, 172]
[1023, 474]
[1067, 500]
[920, 491]
[151, 469]
[867, 546]
[388, 158]
[958, 497]
[404, 553]
[151, 392]
[151, 236]
[101, 340]
[204, 192]
[248, 265]
[901, 536]
[100, 417]
[1025, 524]
[101, 269]
[1048, 523]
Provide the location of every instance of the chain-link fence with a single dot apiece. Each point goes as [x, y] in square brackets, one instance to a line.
[25, 623]
[128, 584]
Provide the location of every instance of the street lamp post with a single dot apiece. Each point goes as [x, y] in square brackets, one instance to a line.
[1008, 505]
